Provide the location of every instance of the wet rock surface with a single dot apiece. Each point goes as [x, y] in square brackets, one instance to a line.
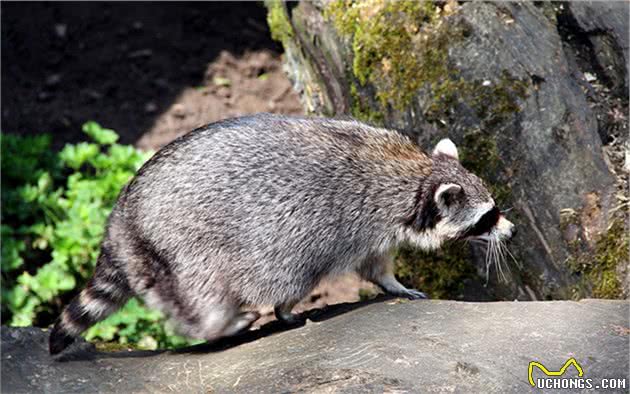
[387, 345]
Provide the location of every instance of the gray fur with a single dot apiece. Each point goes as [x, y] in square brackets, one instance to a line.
[257, 210]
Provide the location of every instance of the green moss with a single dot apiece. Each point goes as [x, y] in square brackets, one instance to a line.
[401, 48]
[479, 154]
[398, 46]
[497, 102]
[278, 21]
[440, 274]
[362, 110]
[596, 268]
[611, 251]
[493, 102]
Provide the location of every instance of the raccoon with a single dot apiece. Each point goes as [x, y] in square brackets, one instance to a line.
[258, 210]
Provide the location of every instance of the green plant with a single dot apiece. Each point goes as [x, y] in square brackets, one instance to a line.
[54, 209]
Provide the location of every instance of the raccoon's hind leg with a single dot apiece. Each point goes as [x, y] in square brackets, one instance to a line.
[380, 271]
[240, 322]
[283, 313]
[224, 320]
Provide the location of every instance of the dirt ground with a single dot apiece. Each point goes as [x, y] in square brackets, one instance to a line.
[149, 71]
[232, 86]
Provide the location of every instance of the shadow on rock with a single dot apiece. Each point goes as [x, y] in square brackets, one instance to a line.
[269, 329]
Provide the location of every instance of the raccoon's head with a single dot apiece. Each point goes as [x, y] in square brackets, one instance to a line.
[455, 204]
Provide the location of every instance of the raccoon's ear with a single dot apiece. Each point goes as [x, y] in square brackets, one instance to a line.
[446, 194]
[446, 147]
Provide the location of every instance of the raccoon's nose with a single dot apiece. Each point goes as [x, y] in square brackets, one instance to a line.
[513, 232]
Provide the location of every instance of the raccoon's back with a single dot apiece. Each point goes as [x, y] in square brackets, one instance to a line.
[264, 185]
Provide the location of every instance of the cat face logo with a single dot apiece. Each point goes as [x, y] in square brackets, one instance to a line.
[547, 372]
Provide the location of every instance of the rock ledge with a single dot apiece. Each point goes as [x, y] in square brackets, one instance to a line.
[387, 345]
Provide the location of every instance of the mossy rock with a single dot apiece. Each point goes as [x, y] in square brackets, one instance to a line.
[440, 274]
[598, 268]
[278, 21]
[470, 71]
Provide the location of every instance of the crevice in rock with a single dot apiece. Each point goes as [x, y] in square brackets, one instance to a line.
[582, 43]
[604, 88]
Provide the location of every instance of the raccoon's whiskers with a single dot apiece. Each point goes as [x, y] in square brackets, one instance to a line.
[496, 249]
[496, 254]
[503, 260]
[487, 263]
[518, 263]
[491, 248]
[497, 261]
[504, 253]
[500, 253]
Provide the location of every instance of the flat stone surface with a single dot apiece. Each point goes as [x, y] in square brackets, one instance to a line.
[387, 345]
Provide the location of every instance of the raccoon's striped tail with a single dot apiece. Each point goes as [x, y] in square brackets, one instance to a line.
[105, 293]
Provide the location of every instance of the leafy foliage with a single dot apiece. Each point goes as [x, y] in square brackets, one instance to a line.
[54, 209]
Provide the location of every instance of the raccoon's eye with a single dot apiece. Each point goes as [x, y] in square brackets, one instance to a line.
[485, 223]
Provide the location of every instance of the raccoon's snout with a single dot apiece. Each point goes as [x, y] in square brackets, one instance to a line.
[506, 229]
[513, 231]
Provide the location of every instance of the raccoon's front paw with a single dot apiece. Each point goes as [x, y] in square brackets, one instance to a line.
[414, 295]
[390, 285]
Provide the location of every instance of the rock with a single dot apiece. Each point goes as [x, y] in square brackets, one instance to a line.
[502, 82]
[179, 111]
[590, 77]
[390, 346]
[604, 25]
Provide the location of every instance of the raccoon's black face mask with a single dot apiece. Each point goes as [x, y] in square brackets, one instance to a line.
[485, 225]
[455, 204]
